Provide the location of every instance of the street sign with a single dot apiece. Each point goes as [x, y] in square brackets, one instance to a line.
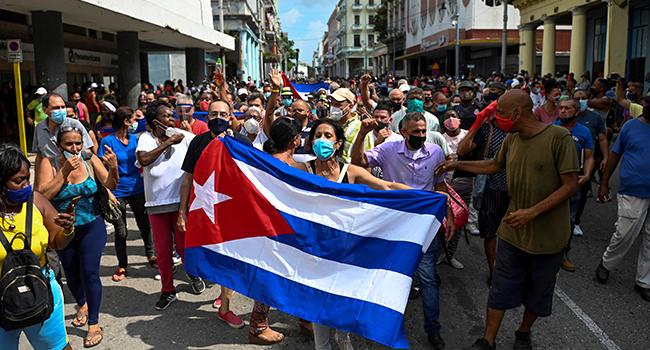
[471, 66]
[436, 69]
[14, 51]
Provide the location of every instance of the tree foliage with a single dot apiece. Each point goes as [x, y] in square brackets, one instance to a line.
[381, 22]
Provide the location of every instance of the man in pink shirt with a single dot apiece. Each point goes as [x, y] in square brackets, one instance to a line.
[186, 121]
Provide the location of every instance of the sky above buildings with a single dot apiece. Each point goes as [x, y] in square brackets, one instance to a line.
[305, 21]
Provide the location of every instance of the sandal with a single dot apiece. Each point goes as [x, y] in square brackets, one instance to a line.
[119, 275]
[153, 261]
[83, 318]
[268, 337]
[88, 341]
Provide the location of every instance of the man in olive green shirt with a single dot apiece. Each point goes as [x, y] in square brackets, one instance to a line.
[542, 175]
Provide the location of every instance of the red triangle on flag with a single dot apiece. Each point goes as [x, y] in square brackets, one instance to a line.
[239, 209]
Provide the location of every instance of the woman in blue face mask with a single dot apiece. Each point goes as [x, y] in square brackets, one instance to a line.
[48, 229]
[327, 140]
[71, 176]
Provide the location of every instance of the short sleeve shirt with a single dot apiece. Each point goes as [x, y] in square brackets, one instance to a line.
[582, 138]
[544, 117]
[130, 179]
[498, 181]
[595, 124]
[198, 127]
[534, 165]
[632, 144]
[45, 141]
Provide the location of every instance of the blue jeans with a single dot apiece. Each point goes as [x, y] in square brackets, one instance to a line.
[574, 204]
[429, 285]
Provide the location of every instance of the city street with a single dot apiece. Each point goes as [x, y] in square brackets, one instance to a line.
[586, 315]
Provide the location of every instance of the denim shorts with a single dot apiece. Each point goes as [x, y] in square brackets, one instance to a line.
[50, 335]
[524, 278]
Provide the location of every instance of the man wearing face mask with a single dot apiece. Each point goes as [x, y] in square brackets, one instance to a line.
[44, 141]
[535, 94]
[468, 108]
[412, 162]
[600, 103]
[438, 106]
[186, 121]
[542, 165]
[286, 97]
[428, 100]
[343, 102]
[415, 103]
[395, 96]
[252, 123]
[569, 108]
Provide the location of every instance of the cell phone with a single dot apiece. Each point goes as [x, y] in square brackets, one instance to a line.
[73, 203]
[615, 76]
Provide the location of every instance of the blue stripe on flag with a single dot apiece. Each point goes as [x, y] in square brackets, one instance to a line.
[307, 88]
[332, 244]
[366, 319]
[412, 201]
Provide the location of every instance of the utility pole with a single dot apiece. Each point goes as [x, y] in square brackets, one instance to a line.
[394, 35]
[504, 40]
[222, 52]
[297, 62]
[457, 38]
[260, 23]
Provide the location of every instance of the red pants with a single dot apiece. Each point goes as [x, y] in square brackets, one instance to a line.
[162, 227]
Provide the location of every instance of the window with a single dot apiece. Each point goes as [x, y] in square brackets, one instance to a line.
[639, 34]
[600, 39]
[357, 40]
[371, 2]
[371, 40]
[357, 19]
[69, 28]
[92, 33]
[371, 19]
[108, 36]
[357, 2]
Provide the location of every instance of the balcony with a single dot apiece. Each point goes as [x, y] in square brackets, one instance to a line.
[357, 27]
[357, 8]
[370, 27]
[371, 8]
[341, 31]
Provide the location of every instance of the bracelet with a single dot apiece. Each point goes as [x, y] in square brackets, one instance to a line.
[276, 91]
[68, 234]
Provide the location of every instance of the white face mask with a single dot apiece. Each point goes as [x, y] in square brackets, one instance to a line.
[169, 132]
[252, 126]
[336, 113]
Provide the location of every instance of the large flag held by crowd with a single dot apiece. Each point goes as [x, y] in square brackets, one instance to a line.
[336, 254]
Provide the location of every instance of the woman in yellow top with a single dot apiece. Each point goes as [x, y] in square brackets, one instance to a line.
[49, 229]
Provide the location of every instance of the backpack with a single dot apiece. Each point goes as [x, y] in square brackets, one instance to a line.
[25, 293]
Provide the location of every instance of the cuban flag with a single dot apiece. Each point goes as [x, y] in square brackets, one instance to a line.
[301, 90]
[341, 255]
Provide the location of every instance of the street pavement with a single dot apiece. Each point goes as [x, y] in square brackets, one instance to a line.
[586, 315]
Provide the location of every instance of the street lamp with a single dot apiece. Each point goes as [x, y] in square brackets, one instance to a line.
[365, 58]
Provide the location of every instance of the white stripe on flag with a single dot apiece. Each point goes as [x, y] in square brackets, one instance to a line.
[382, 287]
[351, 216]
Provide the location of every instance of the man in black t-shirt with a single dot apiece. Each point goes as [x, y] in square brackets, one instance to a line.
[218, 118]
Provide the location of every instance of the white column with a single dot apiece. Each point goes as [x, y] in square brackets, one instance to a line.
[578, 44]
[548, 46]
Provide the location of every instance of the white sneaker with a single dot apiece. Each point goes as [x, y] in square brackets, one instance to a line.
[472, 229]
[108, 225]
[344, 344]
[456, 264]
[577, 231]
[176, 258]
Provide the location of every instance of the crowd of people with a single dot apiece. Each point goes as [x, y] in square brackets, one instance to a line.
[523, 152]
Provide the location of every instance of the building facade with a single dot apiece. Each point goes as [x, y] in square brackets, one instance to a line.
[68, 46]
[608, 36]
[356, 36]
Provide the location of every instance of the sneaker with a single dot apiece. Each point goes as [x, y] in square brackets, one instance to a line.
[158, 278]
[482, 344]
[472, 229]
[456, 264]
[436, 341]
[522, 341]
[568, 265]
[231, 319]
[176, 258]
[577, 231]
[344, 344]
[645, 292]
[166, 299]
[602, 273]
[108, 225]
[198, 286]
[217, 303]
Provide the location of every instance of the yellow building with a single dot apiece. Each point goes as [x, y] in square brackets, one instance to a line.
[356, 36]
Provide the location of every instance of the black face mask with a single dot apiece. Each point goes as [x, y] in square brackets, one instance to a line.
[76, 100]
[428, 99]
[416, 142]
[567, 121]
[381, 126]
[395, 106]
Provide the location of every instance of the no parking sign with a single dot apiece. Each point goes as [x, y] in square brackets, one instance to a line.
[14, 51]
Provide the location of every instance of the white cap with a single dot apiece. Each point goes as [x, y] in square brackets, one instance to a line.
[242, 91]
[93, 85]
[514, 83]
[404, 87]
[41, 91]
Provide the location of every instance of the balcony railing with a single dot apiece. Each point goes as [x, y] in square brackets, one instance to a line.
[370, 27]
[357, 27]
[357, 8]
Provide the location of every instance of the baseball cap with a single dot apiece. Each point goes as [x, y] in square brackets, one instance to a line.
[41, 91]
[499, 85]
[452, 123]
[286, 91]
[93, 85]
[515, 83]
[611, 94]
[242, 92]
[343, 94]
[404, 88]
[466, 84]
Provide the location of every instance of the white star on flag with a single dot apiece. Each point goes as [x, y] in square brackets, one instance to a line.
[207, 197]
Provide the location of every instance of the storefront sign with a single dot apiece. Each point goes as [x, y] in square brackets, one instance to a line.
[433, 43]
[91, 58]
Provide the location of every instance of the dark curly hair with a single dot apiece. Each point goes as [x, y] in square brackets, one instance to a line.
[152, 111]
[338, 132]
[283, 131]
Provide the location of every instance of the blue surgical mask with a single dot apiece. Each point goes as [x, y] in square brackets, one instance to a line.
[441, 108]
[323, 148]
[68, 154]
[390, 89]
[59, 115]
[267, 95]
[583, 105]
[19, 196]
[538, 90]
[133, 128]
[287, 102]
